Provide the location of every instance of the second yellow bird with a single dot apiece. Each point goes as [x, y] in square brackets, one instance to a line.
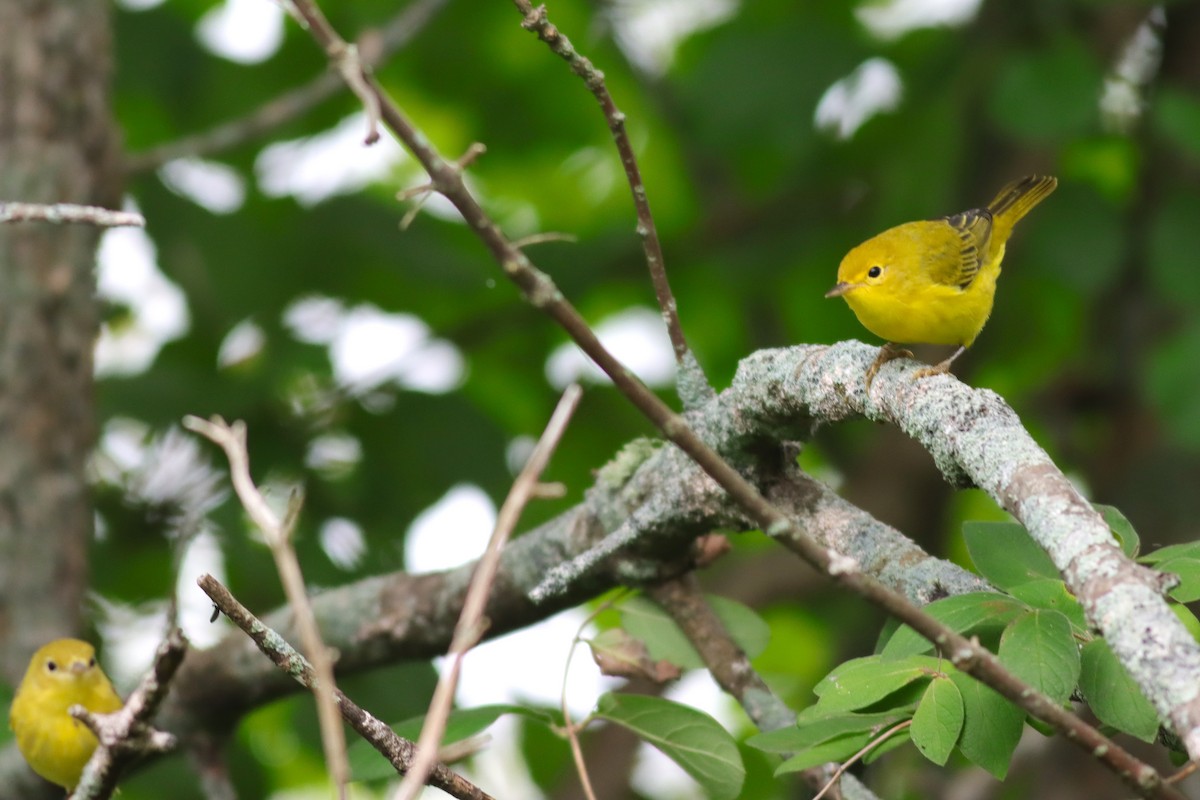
[61, 674]
[933, 281]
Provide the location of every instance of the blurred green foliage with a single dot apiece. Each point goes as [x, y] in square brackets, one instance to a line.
[1094, 338]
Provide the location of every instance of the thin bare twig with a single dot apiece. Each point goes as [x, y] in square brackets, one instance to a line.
[277, 532]
[570, 729]
[374, 47]
[542, 238]
[472, 623]
[398, 751]
[351, 66]
[420, 194]
[691, 375]
[126, 735]
[541, 292]
[871, 745]
[59, 213]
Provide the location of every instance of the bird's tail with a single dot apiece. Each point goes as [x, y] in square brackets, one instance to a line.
[1015, 201]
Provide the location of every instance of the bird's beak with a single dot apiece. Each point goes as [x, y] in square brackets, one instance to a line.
[78, 667]
[841, 289]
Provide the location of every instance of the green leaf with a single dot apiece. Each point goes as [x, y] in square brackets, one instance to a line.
[815, 729]
[646, 621]
[1052, 595]
[692, 739]
[1004, 553]
[1188, 570]
[748, 629]
[938, 721]
[838, 749]
[649, 623]
[1184, 550]
[1121, 527]
[991, 725]
[366, 764]
[1188, 619]
[862, 681]
[963, 613]
[1113, 696]
[1039, 648]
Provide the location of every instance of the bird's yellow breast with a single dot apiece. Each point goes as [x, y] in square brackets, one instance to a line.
[924, 312]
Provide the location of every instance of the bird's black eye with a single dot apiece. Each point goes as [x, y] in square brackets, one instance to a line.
[92, 661]
[874, 272]
[51, 666]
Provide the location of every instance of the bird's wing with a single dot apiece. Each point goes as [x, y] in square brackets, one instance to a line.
[972, 230]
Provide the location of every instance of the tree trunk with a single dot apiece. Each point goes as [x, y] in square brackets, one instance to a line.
[58, 143]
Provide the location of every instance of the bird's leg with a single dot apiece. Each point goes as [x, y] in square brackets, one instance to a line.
[886, 353]
[941, 367]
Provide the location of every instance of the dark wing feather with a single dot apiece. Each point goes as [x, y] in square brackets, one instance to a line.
[974, 230]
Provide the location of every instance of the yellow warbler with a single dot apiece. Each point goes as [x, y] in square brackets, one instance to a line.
[932, 281]
[61, 674]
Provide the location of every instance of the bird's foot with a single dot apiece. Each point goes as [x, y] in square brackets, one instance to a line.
[886, 353]
[940, 368]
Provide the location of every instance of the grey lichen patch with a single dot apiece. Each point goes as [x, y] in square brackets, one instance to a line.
[1160, 656]
[841, 565]
[885, 553]
[638, 571]
[561, 577]
[832, 379]
[691, 384]
[295, 663]
[1065, 526]
[617, 472]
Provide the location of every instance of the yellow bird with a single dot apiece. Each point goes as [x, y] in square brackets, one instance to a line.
[61, 674]
[932, 281]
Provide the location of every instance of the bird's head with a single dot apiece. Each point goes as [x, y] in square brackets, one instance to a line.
[65, 660]
[863, 268]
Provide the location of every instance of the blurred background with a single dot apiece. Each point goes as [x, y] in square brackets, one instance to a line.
[400, 378]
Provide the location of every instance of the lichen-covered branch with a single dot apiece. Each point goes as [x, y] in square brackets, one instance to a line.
[976, 439]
